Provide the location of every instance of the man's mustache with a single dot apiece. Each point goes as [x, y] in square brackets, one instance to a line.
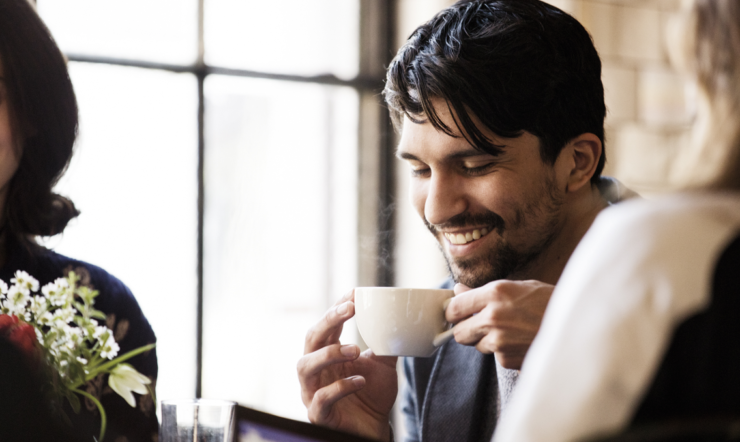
[489, 219]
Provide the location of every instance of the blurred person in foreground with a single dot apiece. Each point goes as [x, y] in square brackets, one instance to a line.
[643, 329]
[501, 109]
[38, 127]
[25, 413]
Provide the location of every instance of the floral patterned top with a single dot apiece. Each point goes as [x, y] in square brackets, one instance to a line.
[131, 330]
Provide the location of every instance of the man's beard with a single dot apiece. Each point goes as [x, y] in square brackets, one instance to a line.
[504, 259]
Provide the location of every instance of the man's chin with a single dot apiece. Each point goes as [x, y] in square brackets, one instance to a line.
[473, 274]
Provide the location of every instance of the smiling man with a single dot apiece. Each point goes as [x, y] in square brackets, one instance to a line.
[501, 110]
[508, 214]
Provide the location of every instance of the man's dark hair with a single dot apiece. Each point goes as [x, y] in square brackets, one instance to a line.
[517, 65]
[43, 114]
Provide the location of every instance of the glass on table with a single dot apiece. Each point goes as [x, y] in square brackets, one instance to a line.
[197, 420]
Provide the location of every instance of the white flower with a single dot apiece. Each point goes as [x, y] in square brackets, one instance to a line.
[49, 290]
[25, 282]
[109, 348]
[59, 324]
[81, 360]
[17, 300]
[45, 319]
[124, 379]
[75, 334]
[65, 315]
[100, 333]
[38, 305]
[39, 336]
[3, 287]
[56, 292]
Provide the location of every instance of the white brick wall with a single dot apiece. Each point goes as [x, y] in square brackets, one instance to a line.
[648, 111]
[620, 92]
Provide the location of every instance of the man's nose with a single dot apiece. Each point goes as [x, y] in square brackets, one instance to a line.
[446, 198]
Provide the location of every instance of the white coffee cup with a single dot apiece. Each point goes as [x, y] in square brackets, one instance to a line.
[402, 321]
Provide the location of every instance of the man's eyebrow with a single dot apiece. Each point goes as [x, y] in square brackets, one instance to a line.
[401, 155]
[472, 152]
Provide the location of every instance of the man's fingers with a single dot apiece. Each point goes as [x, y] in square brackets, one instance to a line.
[460, 288]
[491, 337]
[329, 327]
[502, 295]
[319, 412]
[472, 330]
[312, 364]
[470, 302]
[349, 296]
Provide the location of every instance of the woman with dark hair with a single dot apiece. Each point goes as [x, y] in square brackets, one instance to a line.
[641, 333]
[38, 127]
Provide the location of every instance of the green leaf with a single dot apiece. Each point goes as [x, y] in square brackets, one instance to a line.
[109, 365]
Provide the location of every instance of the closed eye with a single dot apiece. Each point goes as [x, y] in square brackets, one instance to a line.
[420, 172]
[476, 170]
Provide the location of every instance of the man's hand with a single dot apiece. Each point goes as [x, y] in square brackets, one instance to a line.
[502, 317]
[342, 388]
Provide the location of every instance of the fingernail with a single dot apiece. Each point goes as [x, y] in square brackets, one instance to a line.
[342, 309]
[359, 381]
[348, 350]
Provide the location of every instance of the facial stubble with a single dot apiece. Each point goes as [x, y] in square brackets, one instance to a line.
[538, 219]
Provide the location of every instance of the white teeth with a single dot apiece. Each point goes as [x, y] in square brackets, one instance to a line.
[464, 238]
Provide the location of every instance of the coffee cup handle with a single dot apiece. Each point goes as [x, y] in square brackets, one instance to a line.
[442, 338]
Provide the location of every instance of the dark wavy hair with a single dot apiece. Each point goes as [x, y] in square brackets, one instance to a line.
[517, 65]
[43, 114]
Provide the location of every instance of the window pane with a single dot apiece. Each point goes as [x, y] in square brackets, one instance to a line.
[281, 231]
[303, 37]
[134, 177]
[156, 30]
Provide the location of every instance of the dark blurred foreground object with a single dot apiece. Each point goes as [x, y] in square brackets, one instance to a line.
[25, 414]
[703, 430]
[700, 372]
[699, 376]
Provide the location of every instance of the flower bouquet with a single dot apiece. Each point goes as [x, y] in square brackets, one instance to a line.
[58, 332]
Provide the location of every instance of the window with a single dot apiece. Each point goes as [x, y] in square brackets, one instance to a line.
[228, 170]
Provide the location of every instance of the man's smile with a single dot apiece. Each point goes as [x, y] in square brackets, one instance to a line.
[464, 237]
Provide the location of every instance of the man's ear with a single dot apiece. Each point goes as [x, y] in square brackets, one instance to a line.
[583, 153]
